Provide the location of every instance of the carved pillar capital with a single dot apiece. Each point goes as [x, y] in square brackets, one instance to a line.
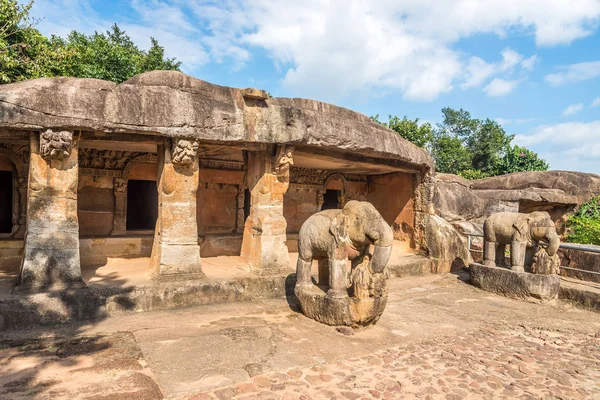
[56, 144]
[184, 152]
[284, 159]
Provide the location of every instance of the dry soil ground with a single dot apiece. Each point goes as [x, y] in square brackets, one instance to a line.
[439, 338]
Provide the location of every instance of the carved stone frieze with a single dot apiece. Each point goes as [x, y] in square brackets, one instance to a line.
[222, 164]
[308, 176]
[105, 159]
[184, 152]
[56, 144]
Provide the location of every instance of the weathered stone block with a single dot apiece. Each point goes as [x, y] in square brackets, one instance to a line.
[510, 283]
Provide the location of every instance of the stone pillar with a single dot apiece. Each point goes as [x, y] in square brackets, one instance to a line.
[22, 219]
[120, 218]
[51, 257]
[175, 252]
[264, 242]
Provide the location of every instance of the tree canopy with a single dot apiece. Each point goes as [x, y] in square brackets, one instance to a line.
[467, 146]
[26, 54]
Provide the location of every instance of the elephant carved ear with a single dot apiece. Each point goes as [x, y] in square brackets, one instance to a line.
[522, 225]
[338, 229]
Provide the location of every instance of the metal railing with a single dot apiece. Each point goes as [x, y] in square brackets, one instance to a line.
[566, 246]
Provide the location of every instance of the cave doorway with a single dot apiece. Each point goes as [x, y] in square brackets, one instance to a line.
[331, 199]
[6, 201]
[142, 205]
[246, 204]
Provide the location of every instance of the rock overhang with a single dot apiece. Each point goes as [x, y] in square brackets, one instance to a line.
[173, 104]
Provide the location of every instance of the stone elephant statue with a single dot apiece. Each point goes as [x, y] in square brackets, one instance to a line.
[333, 236]
[523, 232]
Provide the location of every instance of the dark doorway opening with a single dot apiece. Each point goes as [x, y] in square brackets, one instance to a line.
[142, 205]
[6, 201]
[246, 204]
[331, 199]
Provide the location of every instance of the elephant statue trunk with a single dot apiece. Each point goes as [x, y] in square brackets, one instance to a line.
[553, 243]
[382, 243]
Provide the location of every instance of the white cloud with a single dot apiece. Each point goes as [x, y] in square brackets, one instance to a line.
[595, 102]
[572, 109]
[574, 73]
[573, 134]
[500, 87]
[530, 62]
[569, 146]
[342, 47]
[516, 121]
[478, 71]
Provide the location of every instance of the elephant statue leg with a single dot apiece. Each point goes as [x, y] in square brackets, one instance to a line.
[517, 255]
[323, 272]
[489, 254]
[529, 253]
[338, 277]
[500, 257]
[303, 272]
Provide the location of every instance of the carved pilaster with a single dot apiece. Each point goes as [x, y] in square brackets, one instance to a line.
[120, 217]
[264, 242]
[175, 252]
[51, 255]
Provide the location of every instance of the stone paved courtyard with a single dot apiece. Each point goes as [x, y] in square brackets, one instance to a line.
[438, 339]
[483, 364]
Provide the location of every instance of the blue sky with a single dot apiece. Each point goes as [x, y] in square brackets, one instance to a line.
[533, 65]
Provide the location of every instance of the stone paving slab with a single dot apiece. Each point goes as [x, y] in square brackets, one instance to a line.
[487, 363]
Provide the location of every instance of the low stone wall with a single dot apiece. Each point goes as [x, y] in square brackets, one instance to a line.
[95, 251]
[581, 260]
[11, 253]
[93, 302]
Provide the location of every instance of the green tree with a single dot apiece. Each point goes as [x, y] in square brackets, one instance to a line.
[487, 145]
[467, 146]
[584, 225]
[450, 154]
[113, 56]
[421, 135]
[517, 159]
[458, 123]
[25, 53]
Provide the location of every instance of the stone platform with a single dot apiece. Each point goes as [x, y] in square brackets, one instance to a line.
[522, 285]
[123, 285]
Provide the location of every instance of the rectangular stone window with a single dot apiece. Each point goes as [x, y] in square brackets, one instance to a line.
[6, 201]
[142, 205]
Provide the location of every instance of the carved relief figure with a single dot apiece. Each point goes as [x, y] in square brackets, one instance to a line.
[336, 236]
[523, 232]
[120, 185]
[184, 152]
[56, 145]
[105, 159]
[284, 159]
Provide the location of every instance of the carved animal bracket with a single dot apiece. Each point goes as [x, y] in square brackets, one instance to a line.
[56, 144]
[184, 152]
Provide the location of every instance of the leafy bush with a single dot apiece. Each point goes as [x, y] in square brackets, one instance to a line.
[584, 226]
[472, 174]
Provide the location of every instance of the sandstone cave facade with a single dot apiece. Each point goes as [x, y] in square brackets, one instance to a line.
[173, 168]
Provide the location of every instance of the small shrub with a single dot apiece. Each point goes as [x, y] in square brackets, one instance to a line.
[472, 174]
[584, 226]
